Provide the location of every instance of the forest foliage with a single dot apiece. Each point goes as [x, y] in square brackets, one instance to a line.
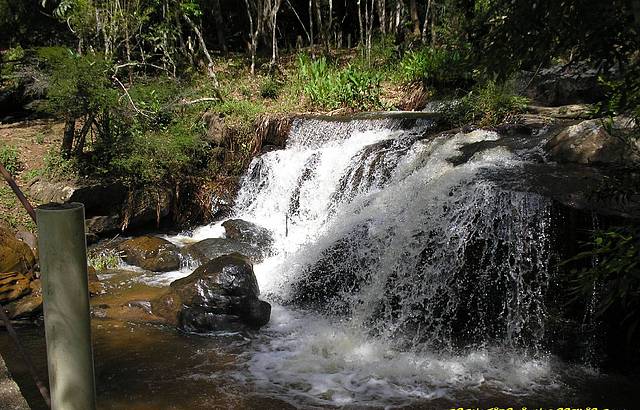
[132, 78]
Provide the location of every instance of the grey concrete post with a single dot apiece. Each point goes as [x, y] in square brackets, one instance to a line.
[63, 263]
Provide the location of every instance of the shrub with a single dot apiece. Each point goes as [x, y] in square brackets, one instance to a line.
[269, 89]
[57, 167]
[623, 98]
[104, 260]
[434, 66]
[616, 273]
[10, 159]
[487, 105]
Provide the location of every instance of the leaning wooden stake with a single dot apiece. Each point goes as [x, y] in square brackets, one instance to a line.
[63, 264]
[16, 190]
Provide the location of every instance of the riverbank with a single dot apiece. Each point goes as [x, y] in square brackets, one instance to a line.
[10, 395]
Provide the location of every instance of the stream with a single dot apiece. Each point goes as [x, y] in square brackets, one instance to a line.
[407, 270]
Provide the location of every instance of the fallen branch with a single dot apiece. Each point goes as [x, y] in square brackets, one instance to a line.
[200, 100]
[129, 97]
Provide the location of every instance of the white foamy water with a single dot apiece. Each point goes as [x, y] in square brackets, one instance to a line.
[381, 247]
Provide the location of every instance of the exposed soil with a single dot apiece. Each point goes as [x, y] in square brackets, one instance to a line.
[33, 139]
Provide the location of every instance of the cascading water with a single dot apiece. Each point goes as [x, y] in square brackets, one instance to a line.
[399, 272]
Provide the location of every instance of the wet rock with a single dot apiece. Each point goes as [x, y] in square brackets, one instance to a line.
[589, 142]
[29, 238]
[573, 111]
[102, 224]
[95, 286]
[150, 253]
[28, 306]
[220, 295]
[248, 232]
[212, 248]
[146, 207]
[272, 130]
[13, 286]
[15, 255]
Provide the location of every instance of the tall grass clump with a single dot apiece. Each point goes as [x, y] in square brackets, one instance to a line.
[487, 105]
[330, 88]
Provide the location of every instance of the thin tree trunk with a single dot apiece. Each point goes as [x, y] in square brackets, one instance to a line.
[300, 20]
[253, 35]
[360, 22]
[398, 16]
[86, 127]
[205, 50]
[368, 10]
[382, 16]
[425, 26]
[217, 17]
[433, 27]
[330, 23]
[274, 42]
[311, 24]
[321, 27]
[68, 136]
[413, 8]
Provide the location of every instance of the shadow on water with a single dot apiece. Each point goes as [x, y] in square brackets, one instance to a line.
[143, 366]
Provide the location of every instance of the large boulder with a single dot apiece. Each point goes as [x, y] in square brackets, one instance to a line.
[220, 295]
[212, 248]
[109, 206]
[15, 255]
[562, 85]
[150, 253]
[98, 198]
[589, 142]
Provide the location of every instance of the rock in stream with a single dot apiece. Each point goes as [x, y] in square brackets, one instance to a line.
[222, 294]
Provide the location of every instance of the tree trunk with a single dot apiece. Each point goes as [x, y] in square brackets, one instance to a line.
[295, 12]
[413, 8]
[398, 16]
[382, 16]
[311, 24]
[217, 17]
[425, 26]
[274, 41]
[68, 136]
[86, 127]
[360, 22]
[321, 27]
[205, 50]
[253, 39]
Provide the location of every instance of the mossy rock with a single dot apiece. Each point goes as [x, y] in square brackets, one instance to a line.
[15, 255]
[151, 253]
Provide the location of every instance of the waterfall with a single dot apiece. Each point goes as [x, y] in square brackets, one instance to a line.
[401, 270]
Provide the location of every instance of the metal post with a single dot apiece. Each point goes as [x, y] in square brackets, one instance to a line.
[63, 263]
